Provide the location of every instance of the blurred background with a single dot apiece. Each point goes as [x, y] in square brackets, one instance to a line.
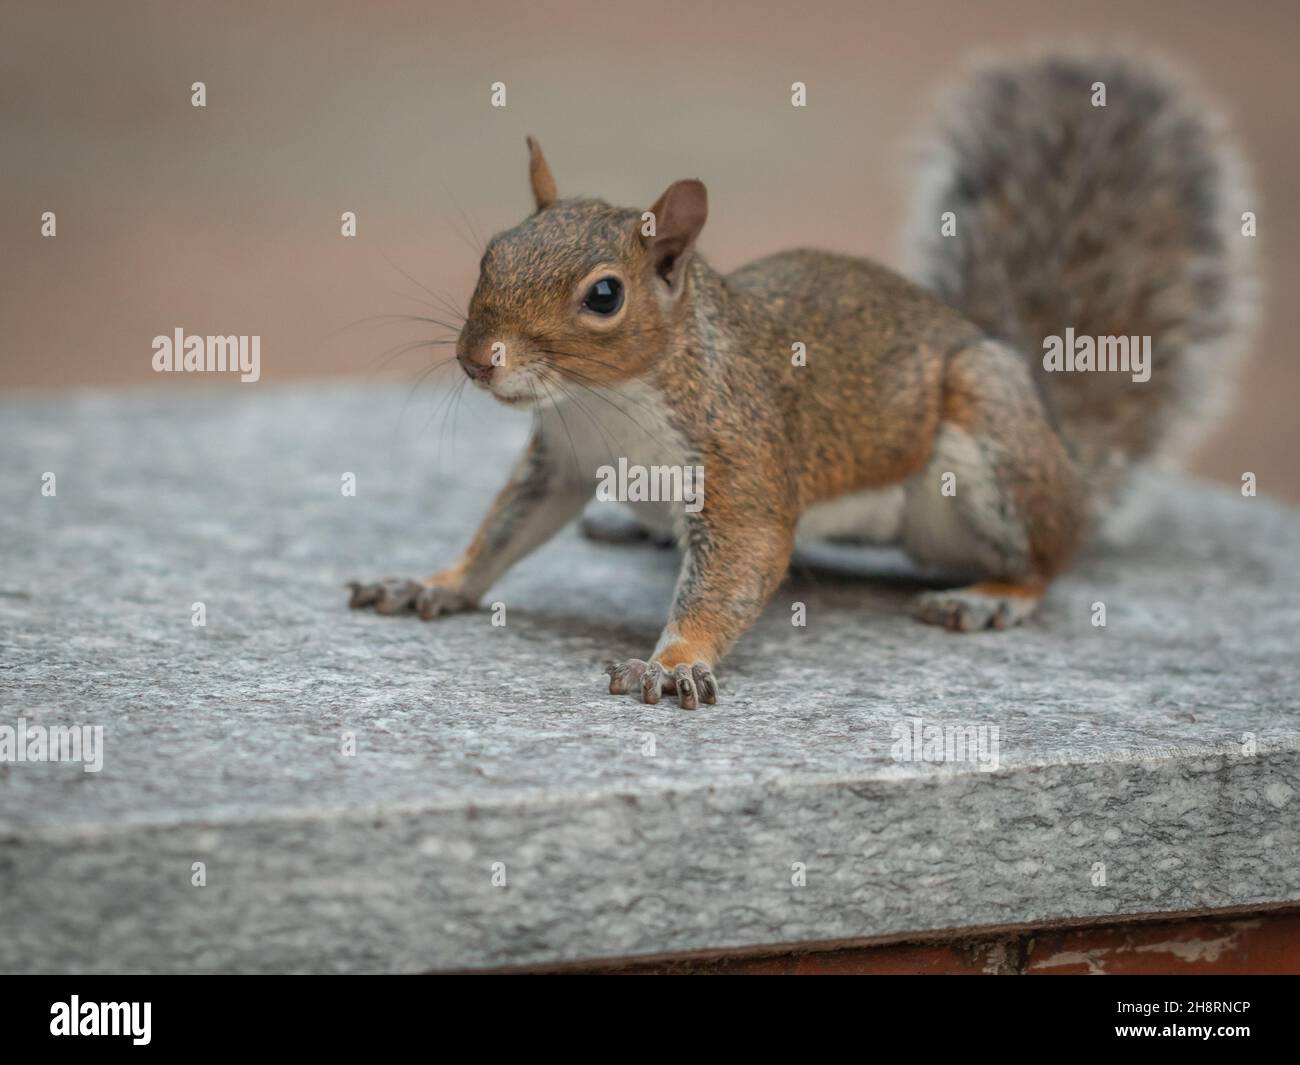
[226, 219]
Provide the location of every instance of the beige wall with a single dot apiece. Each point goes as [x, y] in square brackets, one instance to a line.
[226, 219]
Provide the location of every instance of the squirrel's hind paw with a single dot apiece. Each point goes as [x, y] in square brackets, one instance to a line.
[691, 684]
[979, 606]
[396, 596]
[604, 526]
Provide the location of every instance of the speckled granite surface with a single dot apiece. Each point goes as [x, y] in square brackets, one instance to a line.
[1150, 765]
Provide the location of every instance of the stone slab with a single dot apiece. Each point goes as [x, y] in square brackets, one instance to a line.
[1162, 748]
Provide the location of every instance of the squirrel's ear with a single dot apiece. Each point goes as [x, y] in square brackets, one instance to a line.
[539, 174]
[679, 216]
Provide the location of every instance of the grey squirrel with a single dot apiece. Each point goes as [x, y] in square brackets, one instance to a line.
[923, 414]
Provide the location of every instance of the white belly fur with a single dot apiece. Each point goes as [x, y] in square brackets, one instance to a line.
[629, 422]
[874, 515]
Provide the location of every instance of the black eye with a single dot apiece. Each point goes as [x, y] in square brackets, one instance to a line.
[605, 296]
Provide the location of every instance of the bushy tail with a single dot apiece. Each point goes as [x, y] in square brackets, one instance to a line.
[1120, 220]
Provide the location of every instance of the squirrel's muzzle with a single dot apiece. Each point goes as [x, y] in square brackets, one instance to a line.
[478, 361]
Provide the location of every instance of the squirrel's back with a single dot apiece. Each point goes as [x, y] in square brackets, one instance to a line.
[1121, 220]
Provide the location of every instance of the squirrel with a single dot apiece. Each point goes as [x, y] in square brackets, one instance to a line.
[1118, 219]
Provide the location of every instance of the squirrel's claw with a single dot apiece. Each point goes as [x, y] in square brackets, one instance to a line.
[622, 675]
[653, 683]
[705, 682]
[691, 684]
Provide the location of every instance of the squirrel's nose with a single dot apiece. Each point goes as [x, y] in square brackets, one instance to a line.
[477, 362]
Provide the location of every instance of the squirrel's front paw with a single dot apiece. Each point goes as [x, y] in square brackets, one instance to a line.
[395, 596]
[691, 684]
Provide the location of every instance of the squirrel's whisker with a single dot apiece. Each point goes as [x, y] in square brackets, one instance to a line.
[558, 380]
[444, 406]
[421, 377]
[453, 409]
[577, 356]
[412, 318]
[451, 327]
[577, 462]
[479, 245]
[385, 357]
[418, 284]
[578, 379]
[375, 319]
[443, 306]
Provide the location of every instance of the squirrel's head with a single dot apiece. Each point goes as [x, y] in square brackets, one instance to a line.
[579, 293]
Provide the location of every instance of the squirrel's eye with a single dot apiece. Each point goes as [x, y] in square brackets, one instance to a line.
[605, 296]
